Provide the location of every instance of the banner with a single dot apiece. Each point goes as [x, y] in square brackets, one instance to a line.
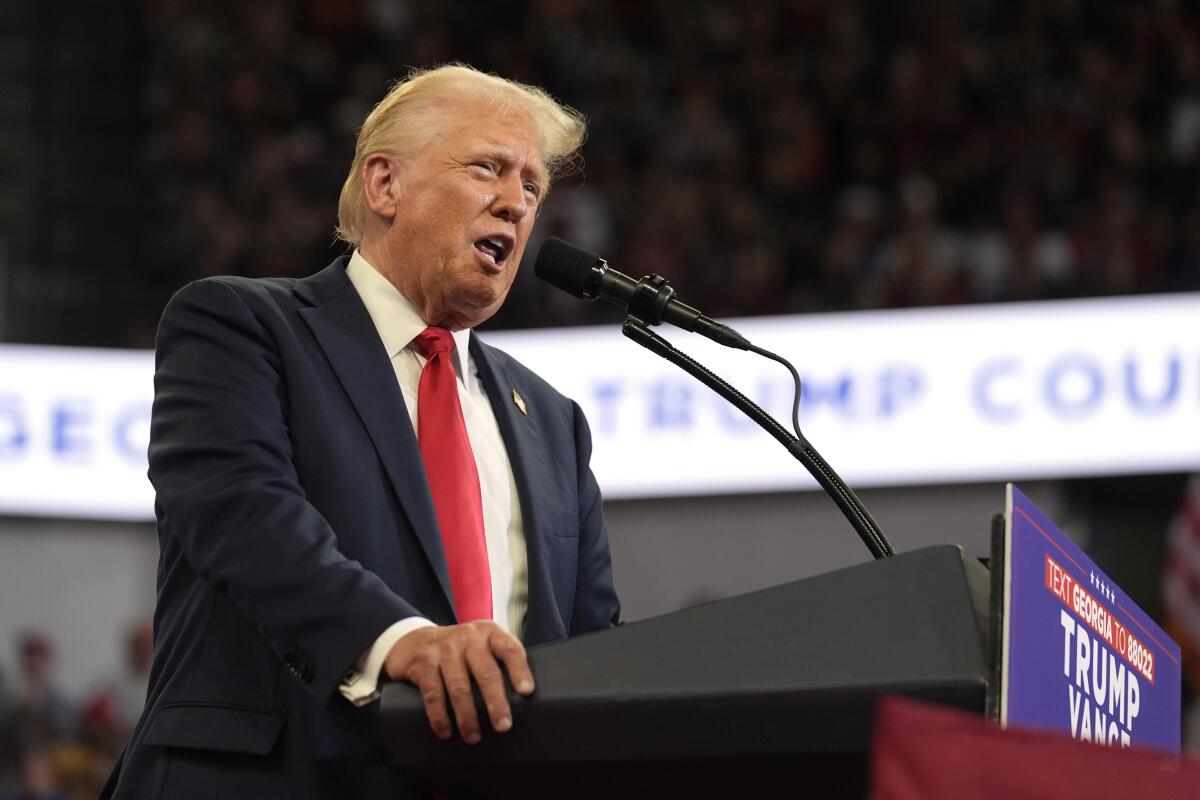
[919, 396]
[74, 425]
[1078, 655]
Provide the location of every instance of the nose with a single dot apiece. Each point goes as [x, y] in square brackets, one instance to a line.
[510, 203]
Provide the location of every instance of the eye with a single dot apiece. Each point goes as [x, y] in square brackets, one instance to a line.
[486, 166]
[534, 190]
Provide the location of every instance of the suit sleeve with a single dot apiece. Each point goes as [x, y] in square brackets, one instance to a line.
[596, 604]
[228, 493]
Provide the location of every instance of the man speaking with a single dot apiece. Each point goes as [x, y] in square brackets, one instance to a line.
[351, 487]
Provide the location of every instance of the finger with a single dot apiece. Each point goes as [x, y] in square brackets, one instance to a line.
[429, 681]
[486, 671]
[462, 699]
[511, 652]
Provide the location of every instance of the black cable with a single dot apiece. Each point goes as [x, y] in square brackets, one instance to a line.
[795, 377]
[852, 508]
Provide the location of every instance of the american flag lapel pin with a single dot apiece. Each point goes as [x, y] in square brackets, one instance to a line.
[519, 402]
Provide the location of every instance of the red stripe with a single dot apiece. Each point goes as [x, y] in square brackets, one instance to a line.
[1181, 570]
[1191, 512]
[1082, 571]
[1179, 566]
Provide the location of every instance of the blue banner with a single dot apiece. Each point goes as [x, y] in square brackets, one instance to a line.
[1078, 655]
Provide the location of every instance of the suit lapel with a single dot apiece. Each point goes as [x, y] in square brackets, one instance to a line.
[344, 330]
[523, 441]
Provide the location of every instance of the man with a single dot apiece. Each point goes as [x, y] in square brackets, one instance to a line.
[351, 487]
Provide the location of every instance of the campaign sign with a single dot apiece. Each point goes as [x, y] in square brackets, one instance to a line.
[1078, 655]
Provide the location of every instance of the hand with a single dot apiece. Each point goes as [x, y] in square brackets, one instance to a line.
[441, 661]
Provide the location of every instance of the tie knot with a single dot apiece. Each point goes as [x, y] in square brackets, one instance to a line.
[435, 340]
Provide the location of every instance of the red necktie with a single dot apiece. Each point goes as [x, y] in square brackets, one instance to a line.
[453, 477]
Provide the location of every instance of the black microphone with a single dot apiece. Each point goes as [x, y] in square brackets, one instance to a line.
[585, 274]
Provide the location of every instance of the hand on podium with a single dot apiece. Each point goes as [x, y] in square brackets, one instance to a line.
[442, 661]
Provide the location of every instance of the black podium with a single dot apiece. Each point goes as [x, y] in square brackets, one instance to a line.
[732, 698]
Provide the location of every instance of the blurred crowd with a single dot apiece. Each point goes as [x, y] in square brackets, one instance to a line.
[57, 747]
[767, 157]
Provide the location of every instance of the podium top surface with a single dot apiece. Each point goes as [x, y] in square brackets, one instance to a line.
[792, 668]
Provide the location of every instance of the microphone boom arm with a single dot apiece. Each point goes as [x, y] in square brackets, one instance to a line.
[849, 504]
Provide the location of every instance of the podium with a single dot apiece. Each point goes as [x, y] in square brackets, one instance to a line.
[776, 688]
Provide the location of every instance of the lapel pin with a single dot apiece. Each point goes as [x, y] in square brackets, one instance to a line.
[519, 402]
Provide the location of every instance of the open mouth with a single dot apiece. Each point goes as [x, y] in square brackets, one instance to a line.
[494, 248]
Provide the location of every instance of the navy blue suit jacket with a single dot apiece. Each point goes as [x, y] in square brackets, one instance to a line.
[295, 524]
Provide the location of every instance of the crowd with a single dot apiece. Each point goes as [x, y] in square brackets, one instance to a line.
[57, 747]
[770, 157]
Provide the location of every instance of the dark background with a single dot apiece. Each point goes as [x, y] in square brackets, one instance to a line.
[769, 157]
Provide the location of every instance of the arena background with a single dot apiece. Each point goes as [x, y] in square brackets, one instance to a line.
[773, 158]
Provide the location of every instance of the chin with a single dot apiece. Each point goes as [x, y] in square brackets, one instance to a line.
[469, 315]
[482, 303]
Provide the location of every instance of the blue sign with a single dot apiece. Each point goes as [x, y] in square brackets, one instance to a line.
[1079, 656]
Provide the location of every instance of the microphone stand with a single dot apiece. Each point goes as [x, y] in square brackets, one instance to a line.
[851, 507]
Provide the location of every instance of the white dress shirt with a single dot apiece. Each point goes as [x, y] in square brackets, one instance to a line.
[398, 324]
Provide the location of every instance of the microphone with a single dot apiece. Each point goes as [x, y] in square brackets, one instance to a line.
[585, 274]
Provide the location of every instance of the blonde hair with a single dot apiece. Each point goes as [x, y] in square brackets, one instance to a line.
[401, 124]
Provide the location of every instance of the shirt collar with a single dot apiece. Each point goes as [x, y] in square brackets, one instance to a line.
[394, 315]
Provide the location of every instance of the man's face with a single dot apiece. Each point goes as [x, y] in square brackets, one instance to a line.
[465, 205]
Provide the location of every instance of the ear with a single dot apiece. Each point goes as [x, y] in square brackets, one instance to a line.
[381, 184]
